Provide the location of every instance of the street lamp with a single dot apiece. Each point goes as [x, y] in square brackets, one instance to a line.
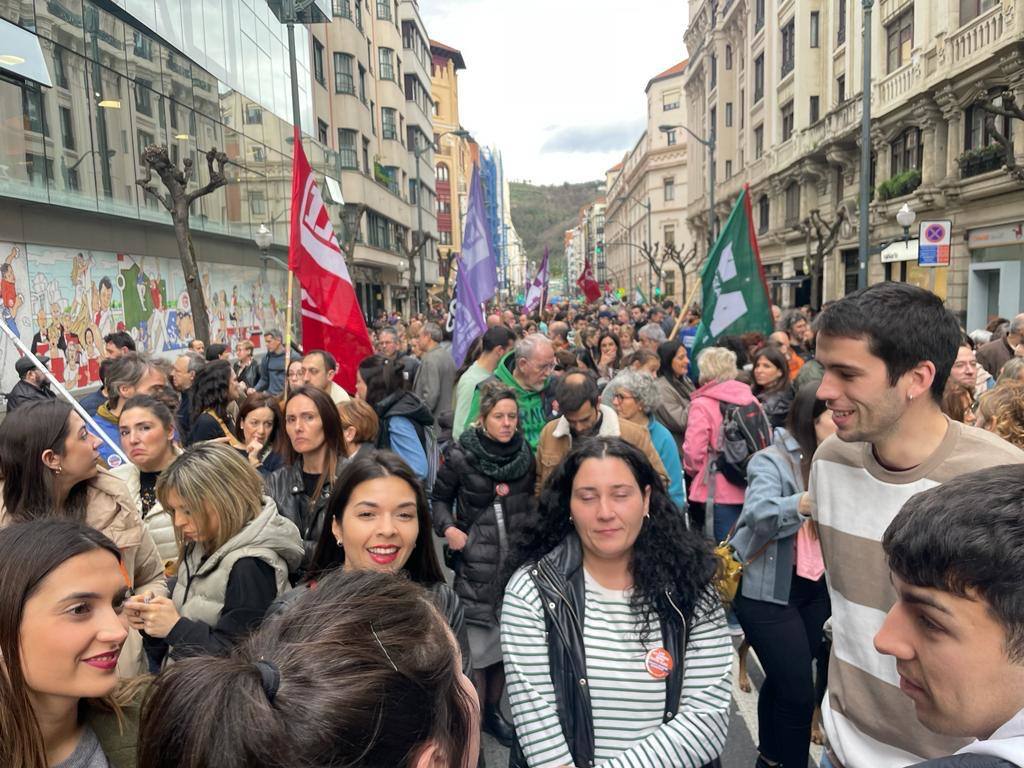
[710, 144]
[865, 149]
[417, 153]
[905, 217]
[263, 237]
[650, 243]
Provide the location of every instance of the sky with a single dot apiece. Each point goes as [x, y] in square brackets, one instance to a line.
[557, 86]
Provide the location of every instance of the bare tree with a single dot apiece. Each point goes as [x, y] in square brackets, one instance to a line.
[178, 200]
[1009, 109]
[351, 217]
[655, 260]
[824, 235]
[411, 255]
[445, 262]
[682, 262]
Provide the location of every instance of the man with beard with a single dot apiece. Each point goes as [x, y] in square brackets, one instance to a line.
[32, 384]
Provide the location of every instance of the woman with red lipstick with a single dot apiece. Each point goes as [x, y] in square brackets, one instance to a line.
[483, 490]
[61, 632]
[147, 436]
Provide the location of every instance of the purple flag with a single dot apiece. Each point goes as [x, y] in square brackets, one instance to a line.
[535, 293]
[469, 315]
[477, 249]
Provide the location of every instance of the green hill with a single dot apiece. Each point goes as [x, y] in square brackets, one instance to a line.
[541, 215]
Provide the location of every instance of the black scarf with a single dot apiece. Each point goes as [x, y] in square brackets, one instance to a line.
[498, 461]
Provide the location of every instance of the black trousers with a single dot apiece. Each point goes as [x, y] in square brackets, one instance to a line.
[786, 639]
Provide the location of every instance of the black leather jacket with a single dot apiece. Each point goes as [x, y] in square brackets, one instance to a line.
[559, 580]
[285, 487]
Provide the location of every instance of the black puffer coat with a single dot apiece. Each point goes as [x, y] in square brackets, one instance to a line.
[464, 495]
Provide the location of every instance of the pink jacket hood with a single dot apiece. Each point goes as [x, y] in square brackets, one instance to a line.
[732, 391]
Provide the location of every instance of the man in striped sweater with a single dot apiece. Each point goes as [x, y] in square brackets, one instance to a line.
[887, 351]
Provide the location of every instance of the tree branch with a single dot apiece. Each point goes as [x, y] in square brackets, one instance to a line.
[217, 177]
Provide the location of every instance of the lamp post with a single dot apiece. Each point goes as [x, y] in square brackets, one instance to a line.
[710, 144]
[417, 153]
[865, 149]
[905, 217]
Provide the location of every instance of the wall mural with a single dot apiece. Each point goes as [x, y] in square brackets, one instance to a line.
[62, 302]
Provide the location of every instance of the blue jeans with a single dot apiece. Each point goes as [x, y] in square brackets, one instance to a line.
[825, 762]
[726, 516]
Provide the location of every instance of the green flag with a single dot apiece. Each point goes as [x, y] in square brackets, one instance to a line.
[734, 292]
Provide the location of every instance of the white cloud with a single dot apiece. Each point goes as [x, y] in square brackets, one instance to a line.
[557, 85]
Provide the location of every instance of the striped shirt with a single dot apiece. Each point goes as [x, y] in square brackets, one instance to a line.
[869, 722]
[627, 702]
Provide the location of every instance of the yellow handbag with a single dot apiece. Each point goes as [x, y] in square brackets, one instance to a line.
[730, 569]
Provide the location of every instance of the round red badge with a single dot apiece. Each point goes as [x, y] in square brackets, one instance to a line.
[658, 663]
[501, 489]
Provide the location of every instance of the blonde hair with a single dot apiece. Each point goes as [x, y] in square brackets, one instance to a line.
[1001, 411]
[716, 364]
[214, 480]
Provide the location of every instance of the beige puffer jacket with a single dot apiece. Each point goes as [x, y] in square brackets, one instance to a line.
[158, 521]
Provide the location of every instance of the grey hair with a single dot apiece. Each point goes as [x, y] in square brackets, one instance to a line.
[1017, 324]
[639, 385]
[387, 331]
[790, 318]
[652, 332]
[529, 344]
[433, 330]
[1011, 370]
[126, 371]
[196, 362]
[275, 332]
[559, 329]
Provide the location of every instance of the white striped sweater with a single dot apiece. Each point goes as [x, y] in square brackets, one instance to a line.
[627, 702]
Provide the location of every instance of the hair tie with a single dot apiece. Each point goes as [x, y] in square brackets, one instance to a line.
[270, 678]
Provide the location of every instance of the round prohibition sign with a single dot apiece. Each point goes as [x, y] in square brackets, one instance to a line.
[935, 233]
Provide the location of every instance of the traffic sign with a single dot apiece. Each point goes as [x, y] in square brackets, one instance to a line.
[934, 243]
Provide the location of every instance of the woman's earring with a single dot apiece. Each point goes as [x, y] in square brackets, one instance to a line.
[58, 469]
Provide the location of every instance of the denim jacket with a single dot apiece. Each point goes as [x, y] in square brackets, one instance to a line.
[774, 487]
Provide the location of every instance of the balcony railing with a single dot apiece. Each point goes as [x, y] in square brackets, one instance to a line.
[977, 35]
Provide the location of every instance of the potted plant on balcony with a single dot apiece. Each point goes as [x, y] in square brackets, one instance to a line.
[981, 160]
[899, 185]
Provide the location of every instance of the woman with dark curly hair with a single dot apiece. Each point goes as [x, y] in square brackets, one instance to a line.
[215, 387]
[614, 641]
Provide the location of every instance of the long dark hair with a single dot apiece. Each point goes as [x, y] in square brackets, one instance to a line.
[423, 566]
[773, 355]
[618, 348]
[211, 389]
[29, 552]
[359, 672]
[334, 435]
[28, 484]
[382, 376]
[804, 411]
[254, 401]
[666, 556]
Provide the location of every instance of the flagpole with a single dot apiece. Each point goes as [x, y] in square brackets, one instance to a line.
[685, 307]
[288, 328]
[62, 390]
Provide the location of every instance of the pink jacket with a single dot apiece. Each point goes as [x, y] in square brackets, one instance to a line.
[702, 434]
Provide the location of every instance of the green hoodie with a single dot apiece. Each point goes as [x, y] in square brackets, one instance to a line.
[535, 408]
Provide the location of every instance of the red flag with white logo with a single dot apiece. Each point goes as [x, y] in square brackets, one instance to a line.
[590, 287]
[331, 317]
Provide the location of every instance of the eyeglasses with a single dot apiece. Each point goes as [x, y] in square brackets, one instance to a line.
[622, 396]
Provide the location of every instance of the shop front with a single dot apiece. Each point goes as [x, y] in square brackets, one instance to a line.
[995, 286]
[900, 261]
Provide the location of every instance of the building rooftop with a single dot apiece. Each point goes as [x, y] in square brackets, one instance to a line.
[672, 71]
[440, 49]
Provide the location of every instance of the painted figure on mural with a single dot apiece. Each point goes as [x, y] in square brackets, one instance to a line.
[92, 353]
[81, 279]
[12, 300]
[104, 315]
[41, 339]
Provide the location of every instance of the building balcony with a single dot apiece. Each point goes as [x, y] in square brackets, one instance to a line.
[976, 38]
[975, 162]
[895, 88]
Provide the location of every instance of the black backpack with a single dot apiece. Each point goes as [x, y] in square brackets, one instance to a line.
[745, 431]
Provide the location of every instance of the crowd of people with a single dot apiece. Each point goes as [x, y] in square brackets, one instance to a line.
[524, 546]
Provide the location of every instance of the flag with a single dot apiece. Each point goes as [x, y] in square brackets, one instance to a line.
[331, 317]
[469, 314]
[733, 287]
[638, 296]
[477, 249]
[535, 293]
[587, 283]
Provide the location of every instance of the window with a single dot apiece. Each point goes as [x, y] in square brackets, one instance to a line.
[971, 9]
[728, 114]
[713, 121]
[907, 152]
[445, 237]
[728, 169]
[143, 96]
[792, 204]
[976, 131]
[743, 100]
[33, 119]
[758, 142]
[815, 30]
[318, 62]
[379, 230]
[840, 185]
[359, 14]
[387, 66]
[899, 35]
[321, 132]
[388, 127]
[815, 109]
[143, 45]
[669, 101]
[257, 203]
[787, 121]
[840, 22]
[763, 212]
[758, 14]
[253, 115]
[362, 84]
[343, 8]
[841, 89]
[728, 56]
[443, 206]
[788, 47]
[759, 78]
[67, 128]
[714, 72]
[259, 153]
[60, 75]
[670, 235]
[366, 156]
[669, 187]
[373, 118]
[441, 172]
[670, 138]
[344, 82]
[384, 10]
